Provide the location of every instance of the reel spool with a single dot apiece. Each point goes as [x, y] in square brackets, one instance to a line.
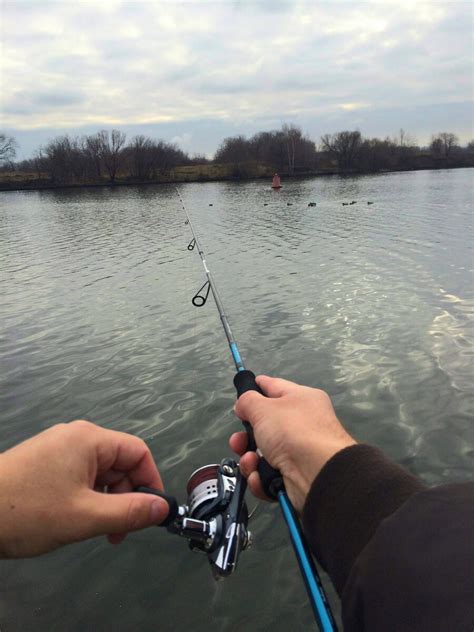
[202, 489]
[210, 489]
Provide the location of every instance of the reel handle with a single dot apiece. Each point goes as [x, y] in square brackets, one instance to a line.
[272, 480]
[171, 500]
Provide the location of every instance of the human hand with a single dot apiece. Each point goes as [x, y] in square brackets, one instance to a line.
[51, 484]
[297, 431]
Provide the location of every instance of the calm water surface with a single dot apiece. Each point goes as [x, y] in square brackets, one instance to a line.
[373, 303]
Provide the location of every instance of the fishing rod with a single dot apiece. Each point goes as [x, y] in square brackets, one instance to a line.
[272, 480]
[215, 518]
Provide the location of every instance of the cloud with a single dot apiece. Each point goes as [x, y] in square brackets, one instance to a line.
[184, 141]
[349, 107]
[43, 101]
[74, 65]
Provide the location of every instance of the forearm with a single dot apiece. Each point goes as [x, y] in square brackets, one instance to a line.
[416, 572]
[20, 511]
[8, 508]
[356, 489]
[400, 554]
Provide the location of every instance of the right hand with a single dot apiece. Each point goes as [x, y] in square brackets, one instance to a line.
[51, 489]
[297, 431]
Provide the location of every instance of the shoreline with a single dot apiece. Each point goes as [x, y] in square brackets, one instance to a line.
[45, 185]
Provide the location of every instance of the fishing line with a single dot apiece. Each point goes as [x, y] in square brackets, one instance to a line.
[186, 276]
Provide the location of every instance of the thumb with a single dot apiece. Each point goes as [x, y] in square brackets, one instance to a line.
[121, 513]
[276, 386]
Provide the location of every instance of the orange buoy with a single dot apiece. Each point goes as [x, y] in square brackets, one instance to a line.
[276, 184]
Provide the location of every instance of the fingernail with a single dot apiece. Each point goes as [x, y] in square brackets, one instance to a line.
[158, 511]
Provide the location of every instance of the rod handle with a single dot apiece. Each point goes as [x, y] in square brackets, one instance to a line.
[272, 480]
[171, 500]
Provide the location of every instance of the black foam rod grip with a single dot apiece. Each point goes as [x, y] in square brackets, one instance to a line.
[272, 480]
[171, 500]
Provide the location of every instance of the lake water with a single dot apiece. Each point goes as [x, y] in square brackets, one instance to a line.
[373, 303]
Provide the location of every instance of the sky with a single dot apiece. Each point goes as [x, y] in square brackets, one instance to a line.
[196, 72]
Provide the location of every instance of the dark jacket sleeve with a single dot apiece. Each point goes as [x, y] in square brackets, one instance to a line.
[400, 555]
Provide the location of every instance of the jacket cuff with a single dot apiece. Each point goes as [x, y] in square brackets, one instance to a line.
[349, 498]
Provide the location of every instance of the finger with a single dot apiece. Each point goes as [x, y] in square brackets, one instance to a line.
[103, 514]
[248, 463]
[275, 386]
[109, 478]
[255, 486]
[122, 452]
[238, 442]
[250, 406]
[138, 462]
[122, 487]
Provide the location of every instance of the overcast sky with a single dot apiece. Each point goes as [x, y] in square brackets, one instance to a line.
[196, 72]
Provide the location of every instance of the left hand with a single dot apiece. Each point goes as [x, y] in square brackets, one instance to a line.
[51, 484]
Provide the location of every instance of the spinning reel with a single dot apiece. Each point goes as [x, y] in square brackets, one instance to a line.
[215, 518]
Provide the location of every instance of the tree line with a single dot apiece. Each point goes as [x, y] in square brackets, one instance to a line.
[106, 155]
[289, 151]
[100, 156]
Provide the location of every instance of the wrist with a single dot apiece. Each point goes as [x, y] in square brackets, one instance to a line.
[303, 471]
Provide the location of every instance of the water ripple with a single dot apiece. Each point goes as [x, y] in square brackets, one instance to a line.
[373, 303]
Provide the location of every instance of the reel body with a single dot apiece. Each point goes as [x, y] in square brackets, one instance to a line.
[215, 518]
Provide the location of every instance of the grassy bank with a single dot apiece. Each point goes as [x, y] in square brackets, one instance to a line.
[24, 181]
[20, 180]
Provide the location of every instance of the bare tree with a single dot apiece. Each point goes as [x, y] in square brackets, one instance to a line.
[377, 155]
[404, 139]
[92, 147]
[8, 147]
[39, 162]
[270, 148]
[283, 150]
[58, 154]
[143, 158]
[442, 144]
[111, 147]
[344, 145]
[291, 135]
[436, 147]
[167, 155]
[233, 149]
[450, 141]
